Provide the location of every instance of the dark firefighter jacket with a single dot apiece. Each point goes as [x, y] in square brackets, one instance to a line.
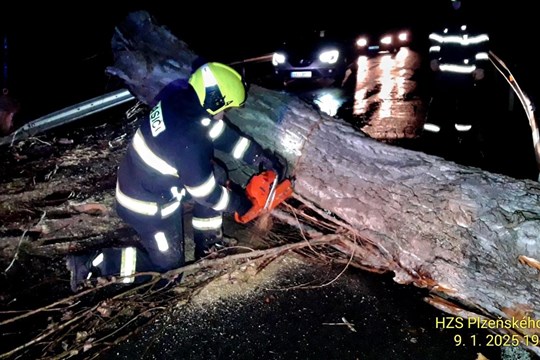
[458, 46]
[172, 152]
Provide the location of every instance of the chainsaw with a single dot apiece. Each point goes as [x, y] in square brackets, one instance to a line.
[265, 192]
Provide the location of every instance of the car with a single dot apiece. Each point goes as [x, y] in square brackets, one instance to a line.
[382, 42]
[311, 57]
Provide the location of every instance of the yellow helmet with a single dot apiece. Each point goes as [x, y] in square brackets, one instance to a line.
[218, 87]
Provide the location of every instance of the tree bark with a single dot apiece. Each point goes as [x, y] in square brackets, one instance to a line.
[469, 236]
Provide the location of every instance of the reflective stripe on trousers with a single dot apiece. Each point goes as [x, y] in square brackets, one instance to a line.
[128, 265]
[212, 223]
[150, 208]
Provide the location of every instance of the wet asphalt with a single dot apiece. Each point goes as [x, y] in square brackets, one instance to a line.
[355, 315]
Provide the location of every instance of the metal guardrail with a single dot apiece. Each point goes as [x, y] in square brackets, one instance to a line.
[69, 114]
[86, 108]
[525, 102]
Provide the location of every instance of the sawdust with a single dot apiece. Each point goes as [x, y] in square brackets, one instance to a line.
[264, 223]
[245, 281]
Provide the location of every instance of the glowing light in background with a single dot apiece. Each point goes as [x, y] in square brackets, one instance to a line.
[387, 86]
[360, 102]
[402, 56]
[361, 42]
[328, 104]
[401, 59]
[400, 82]
[403, 36]
[384, 80]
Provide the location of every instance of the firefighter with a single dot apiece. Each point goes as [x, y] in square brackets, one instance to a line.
[171, 159]
[458, 56]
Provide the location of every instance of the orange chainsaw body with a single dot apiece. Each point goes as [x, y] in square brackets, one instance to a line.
[265, 193]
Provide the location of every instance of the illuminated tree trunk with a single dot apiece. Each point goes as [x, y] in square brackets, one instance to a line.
[470, 236]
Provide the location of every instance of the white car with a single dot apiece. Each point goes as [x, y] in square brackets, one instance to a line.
[311, 57]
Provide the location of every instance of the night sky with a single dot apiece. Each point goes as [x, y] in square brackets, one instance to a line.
[58, 53]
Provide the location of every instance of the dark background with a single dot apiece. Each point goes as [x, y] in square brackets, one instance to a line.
[57, 52]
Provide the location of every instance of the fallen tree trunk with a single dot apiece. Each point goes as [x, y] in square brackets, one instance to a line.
[470, 236]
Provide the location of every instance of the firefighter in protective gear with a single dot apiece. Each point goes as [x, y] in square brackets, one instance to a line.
[458, 59]
[171, 159]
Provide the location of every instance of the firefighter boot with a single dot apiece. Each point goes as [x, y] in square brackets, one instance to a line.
[208, 243]
[81, 268]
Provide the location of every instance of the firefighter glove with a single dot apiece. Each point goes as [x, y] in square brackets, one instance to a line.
[478, 74]
[271, 161]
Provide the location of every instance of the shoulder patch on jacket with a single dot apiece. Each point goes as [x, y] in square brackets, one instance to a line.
[157, 124]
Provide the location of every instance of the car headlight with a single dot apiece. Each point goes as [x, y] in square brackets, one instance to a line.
[278, 58]
[329, 56]
[361, 42]
[403, 36]
[387, 40]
